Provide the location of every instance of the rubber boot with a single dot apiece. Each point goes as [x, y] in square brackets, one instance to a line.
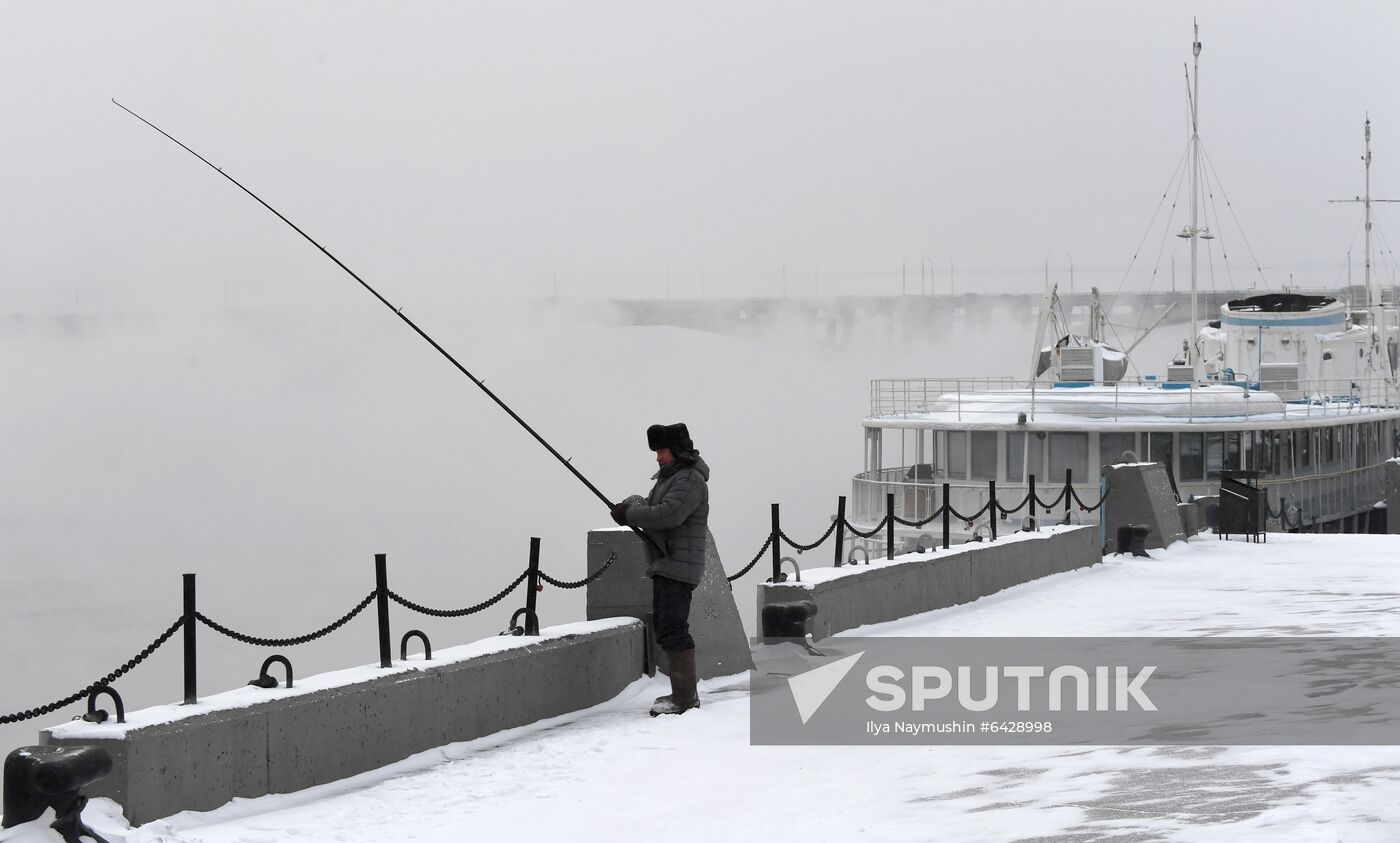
[683, 696]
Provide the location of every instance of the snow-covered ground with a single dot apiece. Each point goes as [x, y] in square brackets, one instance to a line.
[611, 772]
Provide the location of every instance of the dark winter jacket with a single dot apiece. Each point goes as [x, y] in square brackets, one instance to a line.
[674, 515]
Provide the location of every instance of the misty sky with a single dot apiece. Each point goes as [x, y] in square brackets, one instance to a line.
[452, 151]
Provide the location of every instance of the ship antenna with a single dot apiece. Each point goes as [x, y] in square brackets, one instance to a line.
[1192, 231]
[1195, 178]
[1374, 300]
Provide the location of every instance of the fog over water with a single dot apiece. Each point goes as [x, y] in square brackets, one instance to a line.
[273, 453]
[192, 388]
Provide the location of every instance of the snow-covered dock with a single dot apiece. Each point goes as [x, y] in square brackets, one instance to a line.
[611, 772]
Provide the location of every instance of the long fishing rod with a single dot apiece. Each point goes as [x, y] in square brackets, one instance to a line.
[398, 311]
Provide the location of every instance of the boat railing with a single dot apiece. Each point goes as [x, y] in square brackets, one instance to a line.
[974, 399]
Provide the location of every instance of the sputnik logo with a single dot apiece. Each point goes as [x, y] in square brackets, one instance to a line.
[811, 689]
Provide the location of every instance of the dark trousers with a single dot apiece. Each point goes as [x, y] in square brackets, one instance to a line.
[670, 613]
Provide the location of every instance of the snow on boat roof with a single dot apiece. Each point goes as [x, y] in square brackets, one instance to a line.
[1089, 407]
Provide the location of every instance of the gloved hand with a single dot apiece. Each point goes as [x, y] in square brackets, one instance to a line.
[619, 513]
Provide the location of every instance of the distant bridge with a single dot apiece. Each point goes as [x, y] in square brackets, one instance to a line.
[838, 317]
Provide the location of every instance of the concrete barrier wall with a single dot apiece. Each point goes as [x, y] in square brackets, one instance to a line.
[721, 647]
[252, 742]
[855, 595]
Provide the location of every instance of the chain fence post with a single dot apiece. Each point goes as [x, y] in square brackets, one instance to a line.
[1030, 485]
[992, 507]
[947, 513]
[840, 528]
[381, 595]
[777, 546]
[889, 525]
[190, 623]
[1069, 490]
[532, 582]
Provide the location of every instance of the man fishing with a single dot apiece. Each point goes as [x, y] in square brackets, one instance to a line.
[674, 517]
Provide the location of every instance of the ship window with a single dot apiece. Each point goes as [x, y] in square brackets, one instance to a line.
[1068, 451]
[1159, 449]
[1232, 451]
[1019, 463]
[1329, 448]
[1283, 453]
[984, 455]
[1192, 463]
[1215, 454]
[957, 454]
[1302, 447]
[1112, 446]
[1264, 457]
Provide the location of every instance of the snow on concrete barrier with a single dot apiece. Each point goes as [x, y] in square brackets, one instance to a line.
[885, 590]
[255, 741]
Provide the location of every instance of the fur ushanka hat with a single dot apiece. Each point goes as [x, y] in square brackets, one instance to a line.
[673, 436]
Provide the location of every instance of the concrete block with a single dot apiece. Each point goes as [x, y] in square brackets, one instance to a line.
[721, 646]
[198, 764]
[855, 595]
[1190, 515]
[1141, 493]
[290, 743]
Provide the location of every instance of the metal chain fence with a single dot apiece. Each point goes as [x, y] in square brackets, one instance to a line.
[459, 613]
[287, 642]
[126, 668]
[580, 583]
[754, 561]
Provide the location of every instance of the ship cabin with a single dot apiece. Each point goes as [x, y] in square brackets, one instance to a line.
[1320, 461]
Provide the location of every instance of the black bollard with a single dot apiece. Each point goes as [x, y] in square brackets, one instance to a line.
[787, 620]
[42, 777]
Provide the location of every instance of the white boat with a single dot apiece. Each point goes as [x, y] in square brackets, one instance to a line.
[1298, 389]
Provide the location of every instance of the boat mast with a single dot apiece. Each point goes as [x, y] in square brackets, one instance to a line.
[1193, 231]
[1379, 321]
[1195, 182]
[1373, 297]
[1374, 300]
